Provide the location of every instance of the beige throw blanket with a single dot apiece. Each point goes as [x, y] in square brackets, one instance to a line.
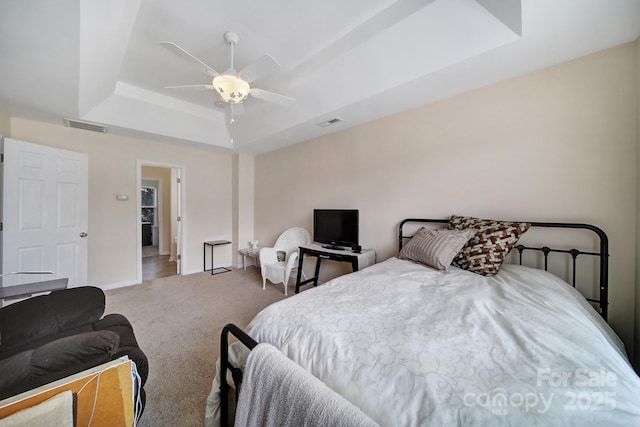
[276, 392]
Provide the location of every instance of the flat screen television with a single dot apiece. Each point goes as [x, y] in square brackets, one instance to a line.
[336, 228]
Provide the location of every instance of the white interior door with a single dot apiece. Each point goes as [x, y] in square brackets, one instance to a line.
[45, 208]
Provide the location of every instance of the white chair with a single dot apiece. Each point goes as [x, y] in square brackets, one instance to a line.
[279, 271]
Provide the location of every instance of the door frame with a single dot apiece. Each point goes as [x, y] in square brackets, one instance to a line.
[2, 202]
[181, 209]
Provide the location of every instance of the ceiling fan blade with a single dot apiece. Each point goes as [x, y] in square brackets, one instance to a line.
[190, 87]
[265, 95]
[264, 65]
[188, 57]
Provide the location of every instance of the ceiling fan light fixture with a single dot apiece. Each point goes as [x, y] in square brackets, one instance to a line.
[231, 88]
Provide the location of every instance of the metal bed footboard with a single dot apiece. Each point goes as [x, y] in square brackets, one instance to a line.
[236, 373]
[602, 254]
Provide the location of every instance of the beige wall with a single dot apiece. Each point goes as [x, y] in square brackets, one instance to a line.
[113, 168]
[243, 204]
[556, 144]
[163, 176]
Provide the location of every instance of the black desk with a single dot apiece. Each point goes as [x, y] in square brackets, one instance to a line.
[358, 260]
[212, 244]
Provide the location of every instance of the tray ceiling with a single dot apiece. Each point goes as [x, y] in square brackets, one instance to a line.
[357, 60]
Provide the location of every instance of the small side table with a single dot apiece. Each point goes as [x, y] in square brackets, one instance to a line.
[212, 244]
[252, 252]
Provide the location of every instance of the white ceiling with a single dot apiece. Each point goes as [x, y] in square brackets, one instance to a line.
[359, 60]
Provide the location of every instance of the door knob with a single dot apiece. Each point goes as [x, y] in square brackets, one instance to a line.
[83, 234]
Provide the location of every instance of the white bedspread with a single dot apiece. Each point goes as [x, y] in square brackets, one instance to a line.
[411, 346]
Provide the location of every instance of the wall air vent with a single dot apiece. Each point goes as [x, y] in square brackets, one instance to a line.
[329, 122]
[78, 124]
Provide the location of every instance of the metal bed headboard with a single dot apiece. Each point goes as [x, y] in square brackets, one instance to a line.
[602, 254]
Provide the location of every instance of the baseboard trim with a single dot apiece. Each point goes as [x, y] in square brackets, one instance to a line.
[249, 264]
[209, 271]
[118, 285]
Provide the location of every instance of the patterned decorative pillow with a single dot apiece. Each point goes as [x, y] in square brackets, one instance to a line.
[435, 248]
[487, 250]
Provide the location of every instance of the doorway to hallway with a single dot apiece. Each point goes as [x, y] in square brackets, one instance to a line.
[160, 222]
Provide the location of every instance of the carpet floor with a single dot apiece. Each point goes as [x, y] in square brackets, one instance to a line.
[177, 321]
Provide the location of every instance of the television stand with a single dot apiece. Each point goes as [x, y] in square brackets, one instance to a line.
[334, 247]
[358, 261]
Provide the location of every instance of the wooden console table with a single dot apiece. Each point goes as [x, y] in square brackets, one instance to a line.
[358, 261]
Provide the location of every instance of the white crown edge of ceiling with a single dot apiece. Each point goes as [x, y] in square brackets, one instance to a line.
[153, 113]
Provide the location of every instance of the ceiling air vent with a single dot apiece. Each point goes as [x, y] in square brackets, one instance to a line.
[329, 122]
[78, 124]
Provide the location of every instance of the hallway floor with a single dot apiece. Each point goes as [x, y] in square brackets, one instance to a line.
[154, 265]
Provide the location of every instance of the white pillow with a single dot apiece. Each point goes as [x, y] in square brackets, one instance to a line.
[436, 248]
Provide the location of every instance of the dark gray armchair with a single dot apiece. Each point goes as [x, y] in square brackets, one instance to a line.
[49, 337]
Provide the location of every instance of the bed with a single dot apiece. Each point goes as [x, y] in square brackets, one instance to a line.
[410, 344]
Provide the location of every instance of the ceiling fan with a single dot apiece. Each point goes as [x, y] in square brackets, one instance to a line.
[231, 86]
